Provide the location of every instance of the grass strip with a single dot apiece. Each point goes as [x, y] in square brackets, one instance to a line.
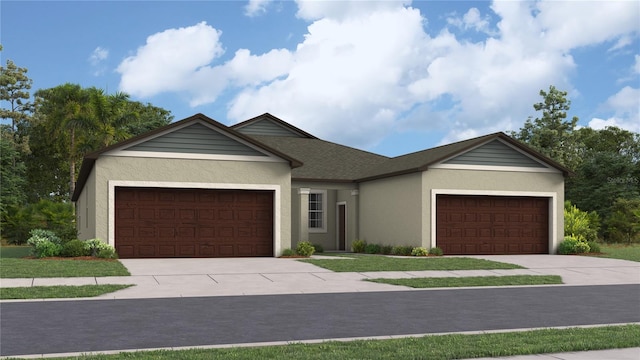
[621, 251]
[361, 263]
[436, 347]
[442, 282]
[44, 268]
[63, 291]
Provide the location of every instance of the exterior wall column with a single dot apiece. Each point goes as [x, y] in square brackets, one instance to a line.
[356, 215]
[303, 234]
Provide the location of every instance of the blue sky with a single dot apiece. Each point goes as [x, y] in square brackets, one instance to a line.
[390, 77]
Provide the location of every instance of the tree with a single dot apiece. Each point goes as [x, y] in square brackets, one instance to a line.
[68, 113]
[14, 89]
[12, 175]
[552, 134]
[624, 222]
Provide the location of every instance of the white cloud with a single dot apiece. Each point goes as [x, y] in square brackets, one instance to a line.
[170, 60]
[256, 7]
[625, 106]
[365, 69]
[472, 20]
[98, 55]
[97, 58]
[340, 10]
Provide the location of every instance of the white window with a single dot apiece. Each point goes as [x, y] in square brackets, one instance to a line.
[317, 211]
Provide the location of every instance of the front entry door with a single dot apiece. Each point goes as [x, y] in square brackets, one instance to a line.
[342, 226]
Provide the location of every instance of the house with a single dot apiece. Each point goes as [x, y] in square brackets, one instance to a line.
[198, 188]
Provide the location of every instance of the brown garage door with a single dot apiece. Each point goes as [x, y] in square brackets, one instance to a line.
[152, 222]
[468, 225]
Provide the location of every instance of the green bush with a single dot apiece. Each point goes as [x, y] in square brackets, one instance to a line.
[44, 234]
[401, 250]
[580, 224]
[358, 246]
[305, 248]
[74, 248]
[594, 247]
[45, 214]
[288, 252]
[372, 249]
[99, 248]
[386, 249]
[435, 251]
[318, 248]
[419, 251]
[572, 245]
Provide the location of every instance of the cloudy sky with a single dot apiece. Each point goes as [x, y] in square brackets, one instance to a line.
[386, 76]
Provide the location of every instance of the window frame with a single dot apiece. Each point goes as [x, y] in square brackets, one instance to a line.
[323, 211]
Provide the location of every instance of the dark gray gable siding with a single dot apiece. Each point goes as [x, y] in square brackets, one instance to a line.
[268, 128]
[196, 139]
[495, 153]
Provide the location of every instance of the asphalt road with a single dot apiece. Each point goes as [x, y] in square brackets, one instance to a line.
[99, 325]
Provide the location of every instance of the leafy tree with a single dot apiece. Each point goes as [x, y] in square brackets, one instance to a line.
[68, 113]
[552, 134]
[624, 222]
[148, 117]
[14, 89]
[12, 175]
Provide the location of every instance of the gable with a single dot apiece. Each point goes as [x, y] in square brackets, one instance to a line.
[495, 153]
[195, 139]
[269, 128]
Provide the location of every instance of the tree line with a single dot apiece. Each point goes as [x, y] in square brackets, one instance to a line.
[49, 134]
[606, 164]
[45, 137]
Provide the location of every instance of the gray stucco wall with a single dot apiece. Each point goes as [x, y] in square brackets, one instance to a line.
[482, 182]
[189, 173]
[390, 210]
[86, 209]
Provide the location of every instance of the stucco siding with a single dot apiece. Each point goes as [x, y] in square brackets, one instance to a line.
[86, 210]
[497, 183]
[391, 211]
[111, 171]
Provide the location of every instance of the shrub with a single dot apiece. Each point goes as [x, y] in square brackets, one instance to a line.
[288, 252]
[107, 253]
[401, 250]
[435, 251]
[98, 248]
[419, 251]
[45, 243]
[49, 235]
[580, 224]
[594, 247]
[372, 249]
[358, 246]
[318, 248]
[305, 248]
[46, 214]
[386, 249]
[74, 248]
[572, 245]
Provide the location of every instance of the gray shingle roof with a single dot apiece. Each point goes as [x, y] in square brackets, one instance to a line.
[324, 160]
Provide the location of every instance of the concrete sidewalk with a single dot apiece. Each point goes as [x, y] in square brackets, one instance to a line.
[160, 278]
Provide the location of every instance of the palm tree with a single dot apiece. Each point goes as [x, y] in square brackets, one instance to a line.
[68, 111]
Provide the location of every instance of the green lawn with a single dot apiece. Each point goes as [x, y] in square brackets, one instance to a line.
[48, 292]
[619, 251]
[473, 281]
[437, 347]
[360, 263]
[13, 265]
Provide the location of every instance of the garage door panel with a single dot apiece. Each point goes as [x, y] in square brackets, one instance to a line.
[193, 223]
[491, 224]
